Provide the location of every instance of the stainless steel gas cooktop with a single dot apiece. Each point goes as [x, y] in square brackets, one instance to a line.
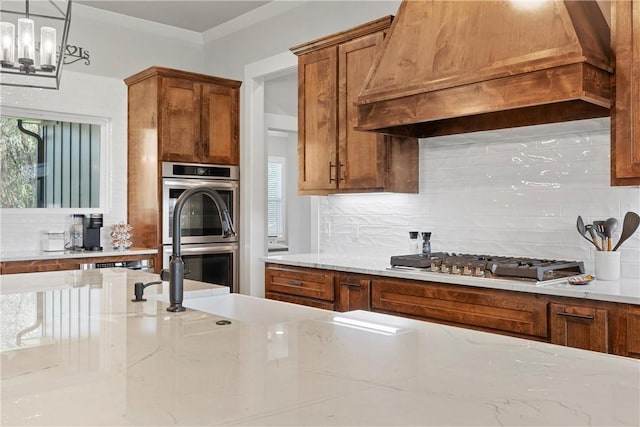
[489, 266]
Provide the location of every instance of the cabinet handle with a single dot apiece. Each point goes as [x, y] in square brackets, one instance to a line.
[295, 283]
[352, 285]
[331, 166]
[576, 316]
[340, 174]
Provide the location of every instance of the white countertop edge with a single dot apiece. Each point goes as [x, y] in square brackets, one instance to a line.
[589, 291]
[42, 255]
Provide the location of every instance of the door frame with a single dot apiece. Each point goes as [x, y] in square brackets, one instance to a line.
[253, 169]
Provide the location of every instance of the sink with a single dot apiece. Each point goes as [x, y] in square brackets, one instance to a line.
[251, 309]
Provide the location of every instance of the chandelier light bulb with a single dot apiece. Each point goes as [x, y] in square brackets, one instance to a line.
[7, 40]
[48, 48]
[26, 45]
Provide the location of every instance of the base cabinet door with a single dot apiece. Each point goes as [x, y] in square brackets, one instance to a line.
[354, 292]
[579, 327]
[633, 332]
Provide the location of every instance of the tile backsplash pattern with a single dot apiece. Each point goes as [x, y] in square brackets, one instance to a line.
[509, 192]
[85, 95]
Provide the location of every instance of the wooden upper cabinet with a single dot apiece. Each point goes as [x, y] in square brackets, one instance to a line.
[197, 115]
[220, 124]
[625, 116]
[180, 139]
[317, 125]
[333, 157]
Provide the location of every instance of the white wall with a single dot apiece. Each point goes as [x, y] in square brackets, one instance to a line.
[228, 55]
[119, 46]
[88, 96]
[509, 192]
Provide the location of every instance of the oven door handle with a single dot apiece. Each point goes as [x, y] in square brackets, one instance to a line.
[207, 249]
[175, 184]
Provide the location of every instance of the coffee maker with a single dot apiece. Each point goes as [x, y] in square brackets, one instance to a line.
[91, 232]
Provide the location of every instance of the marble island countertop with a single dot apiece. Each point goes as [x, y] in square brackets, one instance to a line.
[6, 256]
[77, 352]
[623, 291]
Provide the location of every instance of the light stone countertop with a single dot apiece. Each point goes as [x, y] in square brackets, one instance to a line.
[42, 255]
[77, 352]
[622, 291]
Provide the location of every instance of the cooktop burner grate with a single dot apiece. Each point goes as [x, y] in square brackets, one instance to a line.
[491, 266]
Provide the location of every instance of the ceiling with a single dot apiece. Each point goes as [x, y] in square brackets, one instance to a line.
[198, 16]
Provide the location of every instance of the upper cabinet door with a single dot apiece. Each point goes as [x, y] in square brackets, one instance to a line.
[317, 128]
[625, 119]
[220, 127]
[360, 154]
[179, 120]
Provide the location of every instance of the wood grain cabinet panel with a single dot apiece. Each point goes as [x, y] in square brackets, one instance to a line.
[486, 309]
[334, 157]
[354, 292]
[579, 327]
[305, 286]
[59, 264]
[633, 332]
[625, 116]
[174, 116]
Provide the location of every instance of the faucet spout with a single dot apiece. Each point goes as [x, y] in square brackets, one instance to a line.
[176, 265]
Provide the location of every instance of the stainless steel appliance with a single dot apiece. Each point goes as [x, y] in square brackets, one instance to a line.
[208, 255]
[200, 218]
[210, 263]
[539, 271]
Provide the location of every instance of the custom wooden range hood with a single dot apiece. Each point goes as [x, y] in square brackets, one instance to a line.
[451, 67]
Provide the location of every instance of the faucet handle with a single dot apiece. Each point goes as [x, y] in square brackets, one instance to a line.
[165, 274]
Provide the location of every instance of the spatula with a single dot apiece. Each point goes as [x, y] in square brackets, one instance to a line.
[629, 226]
[582, 230]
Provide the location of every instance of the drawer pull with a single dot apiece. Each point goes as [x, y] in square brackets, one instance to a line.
[352, 285]
[295, 283]
[576, 316]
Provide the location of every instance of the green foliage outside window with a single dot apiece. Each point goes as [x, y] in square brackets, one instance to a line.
[18, 165]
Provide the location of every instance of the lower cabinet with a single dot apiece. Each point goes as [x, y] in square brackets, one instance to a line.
[59, 264]
[305, 286]
[479, 308]
[354, 292]
[587, 324]
[633, 332]
[580, 327]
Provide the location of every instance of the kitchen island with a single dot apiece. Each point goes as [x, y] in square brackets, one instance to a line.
[77, 351]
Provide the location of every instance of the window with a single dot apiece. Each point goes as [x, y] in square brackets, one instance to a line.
[49, 163]
[276, 198]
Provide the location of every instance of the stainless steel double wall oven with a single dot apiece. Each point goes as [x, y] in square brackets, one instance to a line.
[208, 255]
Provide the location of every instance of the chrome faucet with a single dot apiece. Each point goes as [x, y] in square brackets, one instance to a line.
[176, 265]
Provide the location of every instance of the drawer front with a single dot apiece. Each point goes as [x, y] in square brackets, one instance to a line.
[484, 308]
[301, 301]
[304, 282]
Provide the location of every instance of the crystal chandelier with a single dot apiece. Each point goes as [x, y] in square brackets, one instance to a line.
[25, 61]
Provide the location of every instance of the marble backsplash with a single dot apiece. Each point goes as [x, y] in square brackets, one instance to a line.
[510, 192]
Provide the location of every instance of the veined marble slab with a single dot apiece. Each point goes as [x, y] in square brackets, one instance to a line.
[623, 290]
[77, 352]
